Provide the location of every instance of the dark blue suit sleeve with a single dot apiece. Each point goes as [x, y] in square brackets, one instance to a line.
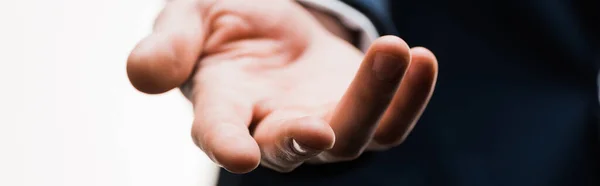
[378, 12]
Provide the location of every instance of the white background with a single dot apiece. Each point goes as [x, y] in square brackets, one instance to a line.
[68, 115]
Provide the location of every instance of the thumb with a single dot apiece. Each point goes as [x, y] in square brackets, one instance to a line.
[166, 58]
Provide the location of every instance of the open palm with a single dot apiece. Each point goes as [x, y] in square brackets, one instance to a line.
[270, 84]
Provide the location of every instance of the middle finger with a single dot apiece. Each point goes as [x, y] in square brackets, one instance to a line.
[370, 93]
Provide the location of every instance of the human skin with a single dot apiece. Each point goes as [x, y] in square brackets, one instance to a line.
[275, 84]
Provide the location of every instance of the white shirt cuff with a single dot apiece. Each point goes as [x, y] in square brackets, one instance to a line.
[349, 17]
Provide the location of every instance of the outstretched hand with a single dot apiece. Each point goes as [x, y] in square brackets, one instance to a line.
[270, 85]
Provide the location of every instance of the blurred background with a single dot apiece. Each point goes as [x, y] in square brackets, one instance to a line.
[68, 115]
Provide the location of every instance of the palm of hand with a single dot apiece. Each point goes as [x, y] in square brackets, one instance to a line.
[277, 68]
[271, 53]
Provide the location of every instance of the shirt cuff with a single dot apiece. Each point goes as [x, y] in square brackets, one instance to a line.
[349, 17]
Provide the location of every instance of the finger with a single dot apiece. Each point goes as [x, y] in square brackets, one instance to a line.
[220, 127]
[288, 138]
[166, 58]
[356, 116]
[410, 100]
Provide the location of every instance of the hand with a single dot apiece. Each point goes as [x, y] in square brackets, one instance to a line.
[271, 85]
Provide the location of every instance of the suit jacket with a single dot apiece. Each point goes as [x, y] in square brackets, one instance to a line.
[516, 101]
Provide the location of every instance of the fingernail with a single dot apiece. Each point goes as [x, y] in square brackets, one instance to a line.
[301, 149]
[388, 67]
[298, 148]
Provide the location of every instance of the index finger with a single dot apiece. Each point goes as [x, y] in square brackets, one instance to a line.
[221, 119]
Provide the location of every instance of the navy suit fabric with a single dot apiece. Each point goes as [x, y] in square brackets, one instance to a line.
[516, 101]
